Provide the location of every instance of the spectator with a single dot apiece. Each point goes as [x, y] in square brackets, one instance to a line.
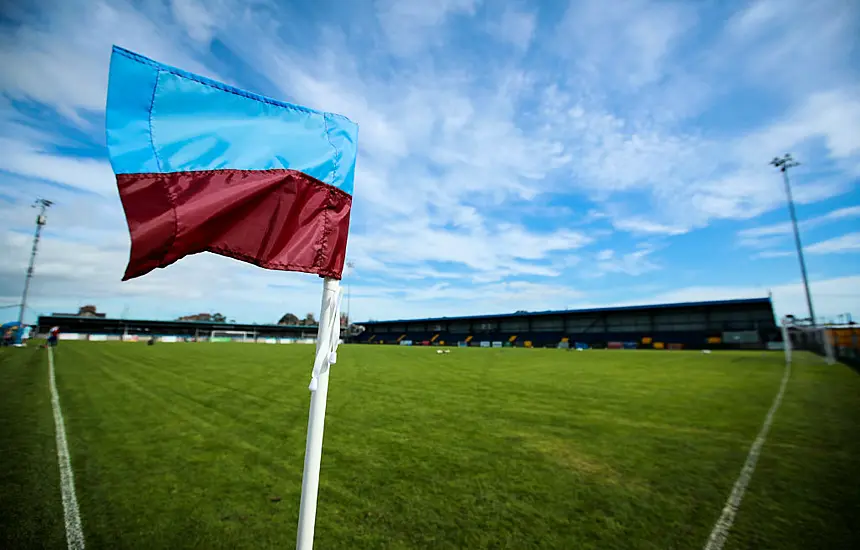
[8, 335]
[53, 336]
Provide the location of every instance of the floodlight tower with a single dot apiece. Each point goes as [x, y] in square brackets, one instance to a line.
[783, 164]
[41, 220]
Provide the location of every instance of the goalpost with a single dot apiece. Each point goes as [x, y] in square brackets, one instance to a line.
[800, 335]
[231, 336]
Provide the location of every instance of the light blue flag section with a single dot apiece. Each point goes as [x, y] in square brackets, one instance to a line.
[163, 119]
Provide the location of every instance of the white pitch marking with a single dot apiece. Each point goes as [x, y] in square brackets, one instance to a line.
[721, 529]
[74, 532]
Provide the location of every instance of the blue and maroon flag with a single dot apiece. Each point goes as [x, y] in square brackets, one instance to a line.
[205, 167]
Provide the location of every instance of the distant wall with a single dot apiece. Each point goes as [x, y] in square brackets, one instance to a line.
[173, 338]
[714, 325]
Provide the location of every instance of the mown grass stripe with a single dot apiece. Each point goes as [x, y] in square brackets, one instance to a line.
[72, 515]
[720, 533]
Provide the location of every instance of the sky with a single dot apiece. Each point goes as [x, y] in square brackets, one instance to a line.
[513, 155]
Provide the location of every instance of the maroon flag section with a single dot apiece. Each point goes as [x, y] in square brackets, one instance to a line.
[276, 219]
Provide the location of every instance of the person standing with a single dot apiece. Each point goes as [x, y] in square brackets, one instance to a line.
[9, 331]
[53, 336]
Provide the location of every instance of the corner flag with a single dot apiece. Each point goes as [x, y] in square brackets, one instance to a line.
[205, 167]
[202, 166]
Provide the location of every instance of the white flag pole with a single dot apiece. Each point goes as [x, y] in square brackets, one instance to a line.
[328, 336]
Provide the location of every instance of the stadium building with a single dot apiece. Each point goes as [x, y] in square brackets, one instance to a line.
[77, 327]
[748, 323]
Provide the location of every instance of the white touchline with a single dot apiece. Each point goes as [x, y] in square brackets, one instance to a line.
[74, 532]
[721, 529]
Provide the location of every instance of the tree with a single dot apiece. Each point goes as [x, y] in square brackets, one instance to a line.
[219, 318]
[289, 319]
[310, 320]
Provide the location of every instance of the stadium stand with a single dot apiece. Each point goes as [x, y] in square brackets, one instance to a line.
[85, 326]
[745, 324]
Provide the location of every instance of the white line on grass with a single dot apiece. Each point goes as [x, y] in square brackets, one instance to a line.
[721, 529]
[74, 532]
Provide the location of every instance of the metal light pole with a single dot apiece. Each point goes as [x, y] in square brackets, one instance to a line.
[41, 220]
[783, 164]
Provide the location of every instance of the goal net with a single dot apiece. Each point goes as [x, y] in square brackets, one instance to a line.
[231, 336]
[800, 335]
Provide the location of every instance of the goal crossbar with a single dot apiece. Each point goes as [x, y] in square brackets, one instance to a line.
[231, 336]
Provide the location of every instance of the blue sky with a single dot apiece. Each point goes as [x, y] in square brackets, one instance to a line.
[513, 155]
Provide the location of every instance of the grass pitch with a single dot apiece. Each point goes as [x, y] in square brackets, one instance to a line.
[202, 445]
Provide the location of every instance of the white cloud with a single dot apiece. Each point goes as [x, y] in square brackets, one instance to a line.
[200, 21]
[646, 227]
[633, 263]
[689, 176]
[774, 254]
[451, 300]
[690, 180]
[629, 41]
[503, 294]
[60, 58]
[488, 253]
[754, 19]
[763, 244]
[783, 228]
[815, 39]
[831, 116]
[515, 27]
[849, 242]
[413, 26]
[839, 213]
[85, 174]
[770, 235]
